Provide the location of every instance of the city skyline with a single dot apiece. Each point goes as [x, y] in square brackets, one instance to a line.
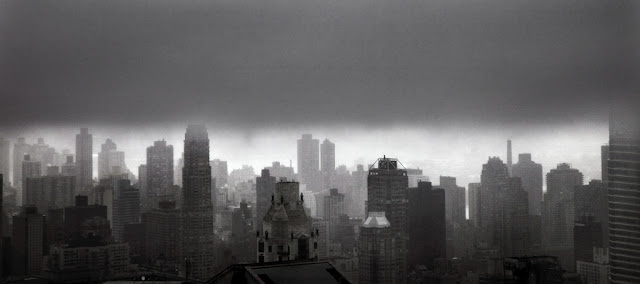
[456, 152]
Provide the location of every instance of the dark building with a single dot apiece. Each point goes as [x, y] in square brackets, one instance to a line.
[28, 242]
[530, 173]
[243, 244]
[135, 235]
[587, 233]
[81, 213]
[197, 216]
[387, 187]
[593, 200]
[159, 171]
[265, 188]
[624, 191]
[161, 236]
[427, 226]
[49, 192]
[126, 208]
[84, 160]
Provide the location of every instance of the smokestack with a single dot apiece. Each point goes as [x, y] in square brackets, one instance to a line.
[509, 161]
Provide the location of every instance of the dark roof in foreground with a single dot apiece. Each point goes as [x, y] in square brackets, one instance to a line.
[281, 272]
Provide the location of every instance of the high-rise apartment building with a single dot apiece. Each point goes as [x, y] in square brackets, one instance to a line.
[84, 160]
[159, 171]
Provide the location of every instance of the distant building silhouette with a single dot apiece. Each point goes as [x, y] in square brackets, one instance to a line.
[509, 157]
[219, 172]
[624, 190]
[30, 169]
[49, 192]
[327, 162]
[69, 167]
[309, 162]
[280, 171]
[427, 225]
[531, 175]
[84, 160]
[5, 159]
[20, 149]
[287, 232]
[197, 215]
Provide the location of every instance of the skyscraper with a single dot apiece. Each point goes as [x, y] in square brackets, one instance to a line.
[427, 225]
[377, 251]
[509, 157]
[455, 200]
[5, 158]
[68, 168]
[558, 213]
[387, 187]
[624, 192]
[333, 211]
[84, 160]
[604, 164]
[19, 150]
[161, 233]
[473, 197]
[531, 175]
[197, 213]
[265, 188]
[104, 158]
[309, 161]
[159, 170]
[327, 162]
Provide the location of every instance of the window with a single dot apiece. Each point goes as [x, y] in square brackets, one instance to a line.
[261, 246]
[270, 250]
[315, 245]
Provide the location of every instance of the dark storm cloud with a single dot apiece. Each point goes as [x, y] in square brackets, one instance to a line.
[273, 62]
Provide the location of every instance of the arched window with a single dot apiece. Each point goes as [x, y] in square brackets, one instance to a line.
[261, 246]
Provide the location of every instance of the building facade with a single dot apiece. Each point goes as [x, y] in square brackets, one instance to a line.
[530, 173]
[84, 160]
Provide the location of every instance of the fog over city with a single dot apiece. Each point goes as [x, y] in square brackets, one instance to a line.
[148, 112]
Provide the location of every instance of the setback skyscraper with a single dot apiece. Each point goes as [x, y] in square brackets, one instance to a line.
[84, 160]
[197, 214]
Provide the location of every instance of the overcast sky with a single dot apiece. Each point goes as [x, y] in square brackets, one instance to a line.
[439, 84]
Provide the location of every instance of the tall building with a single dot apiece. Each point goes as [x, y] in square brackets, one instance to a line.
[415, 176]
[558, 213]
[28, 242]
[531, 175]
[147, 200]
[333, 211]
[509, 157]
[624, 191]
[604, 163]
[587, 234]
[126, 208]
[161, 233]
[5, 158]
[327, 162]
[427, 225]
[309, 162]
[387, 187]
[84, 160]
[473, 197]
[502, 209]
[30, 169]
[197, 215]
[219, 172]
[592, 200]
[49, 192]
[455, 200]
[19, 150]
[107, 150]
[159, 171]
[265, 189]
[287, 232]
[377, 251]
[243, 233]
